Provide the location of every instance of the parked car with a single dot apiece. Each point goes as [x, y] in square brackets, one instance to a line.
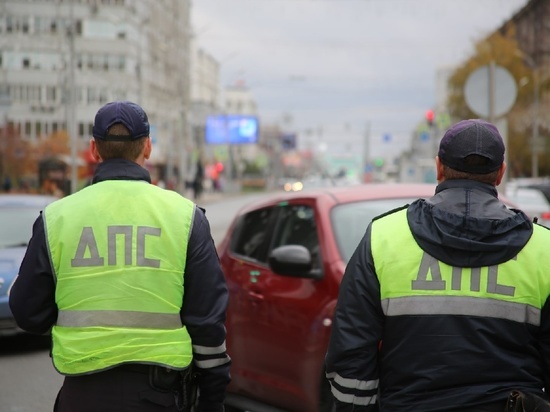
[17, 215]
[532, 201]
[284, 258]
[543, 187]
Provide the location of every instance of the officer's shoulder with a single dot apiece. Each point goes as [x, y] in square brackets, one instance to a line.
[391, 212]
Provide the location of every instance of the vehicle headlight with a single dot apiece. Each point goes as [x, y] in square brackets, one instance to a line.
[297, 186]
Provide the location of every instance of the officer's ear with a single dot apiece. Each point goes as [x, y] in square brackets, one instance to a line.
[148, 148]
[439, 169]
[94, 151]
[501, 172]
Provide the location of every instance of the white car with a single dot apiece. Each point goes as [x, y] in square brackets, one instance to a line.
[532, 201]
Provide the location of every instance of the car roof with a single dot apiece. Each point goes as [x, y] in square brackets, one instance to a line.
[25, 200]
[349, 194]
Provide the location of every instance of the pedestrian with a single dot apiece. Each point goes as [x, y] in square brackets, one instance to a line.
[7, 184]
[444, 305]
[126, 276]
[198, 180]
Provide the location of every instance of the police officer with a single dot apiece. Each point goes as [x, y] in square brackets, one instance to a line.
[126, 276]
[444, 304]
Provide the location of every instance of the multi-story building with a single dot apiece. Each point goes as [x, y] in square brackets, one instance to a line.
[531, 25]
[205, 92]
[239, 100]
[60, 60]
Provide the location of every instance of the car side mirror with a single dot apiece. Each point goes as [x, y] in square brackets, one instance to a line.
[294, 261]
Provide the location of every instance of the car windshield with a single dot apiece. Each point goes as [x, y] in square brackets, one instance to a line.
[350, 221]
[16, 224]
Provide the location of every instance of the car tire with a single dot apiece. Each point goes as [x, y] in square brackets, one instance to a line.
[326, 400]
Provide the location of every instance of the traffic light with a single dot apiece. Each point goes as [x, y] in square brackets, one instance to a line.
[430, 117]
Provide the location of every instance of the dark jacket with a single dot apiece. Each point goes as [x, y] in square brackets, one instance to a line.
[458, 361]
[32, 298]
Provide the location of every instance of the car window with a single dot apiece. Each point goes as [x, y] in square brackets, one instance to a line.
[250, 234]
[296, 226]
[350, 221]
[16, 224]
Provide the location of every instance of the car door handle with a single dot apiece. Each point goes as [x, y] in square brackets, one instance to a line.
[255, 296]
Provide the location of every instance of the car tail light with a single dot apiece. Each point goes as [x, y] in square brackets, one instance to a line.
[545, 216]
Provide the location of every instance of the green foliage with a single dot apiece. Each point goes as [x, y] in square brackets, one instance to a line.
[253, 168]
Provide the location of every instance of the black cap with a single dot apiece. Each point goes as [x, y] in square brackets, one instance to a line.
[472, 137]
[129, 114]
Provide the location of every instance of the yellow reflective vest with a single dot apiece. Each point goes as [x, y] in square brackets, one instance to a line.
[414, 283]
[118, 252]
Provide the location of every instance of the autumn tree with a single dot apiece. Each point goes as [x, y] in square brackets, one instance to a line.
[16, 159]
[503, 50]
[55, 145]
[20, 157]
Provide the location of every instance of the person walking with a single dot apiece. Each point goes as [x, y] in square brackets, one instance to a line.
[126, 276]
[198, 179]
[444, 305]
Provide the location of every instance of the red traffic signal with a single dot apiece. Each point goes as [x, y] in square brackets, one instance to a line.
[430, 117]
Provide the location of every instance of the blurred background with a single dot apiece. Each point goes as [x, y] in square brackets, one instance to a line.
[269, 94]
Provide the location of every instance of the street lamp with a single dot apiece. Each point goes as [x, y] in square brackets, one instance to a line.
[5, 104]
[535, 109]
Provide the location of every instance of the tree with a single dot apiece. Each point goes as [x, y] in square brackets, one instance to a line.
[55, 145]
[16, 159]
[503, 50]
[20, 158]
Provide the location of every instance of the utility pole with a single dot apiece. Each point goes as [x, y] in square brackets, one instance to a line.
[71, 103]
[535, 131]
[5, 103]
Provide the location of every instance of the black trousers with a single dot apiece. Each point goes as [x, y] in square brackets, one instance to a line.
[121, 389]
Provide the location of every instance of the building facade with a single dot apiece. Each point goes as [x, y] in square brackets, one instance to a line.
[61, 60]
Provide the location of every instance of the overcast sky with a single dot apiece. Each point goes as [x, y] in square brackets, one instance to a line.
[341, 66]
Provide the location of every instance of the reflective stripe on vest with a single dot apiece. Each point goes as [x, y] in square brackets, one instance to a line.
[118, 251]
[414, 283]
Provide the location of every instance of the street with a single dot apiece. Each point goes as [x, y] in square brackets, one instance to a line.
[29, 383]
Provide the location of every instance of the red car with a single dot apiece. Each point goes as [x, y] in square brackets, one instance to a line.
[284, 259]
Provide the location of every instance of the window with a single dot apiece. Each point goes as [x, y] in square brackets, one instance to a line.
[103, 96]
[28, 129]
[297, 227]
[51, 94]
[10, 24]
[92, 95]
[250, 234]
[349, 221]
[38, 129]
[25, 24]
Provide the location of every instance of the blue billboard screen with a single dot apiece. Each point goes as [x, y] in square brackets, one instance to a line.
[231, 129]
